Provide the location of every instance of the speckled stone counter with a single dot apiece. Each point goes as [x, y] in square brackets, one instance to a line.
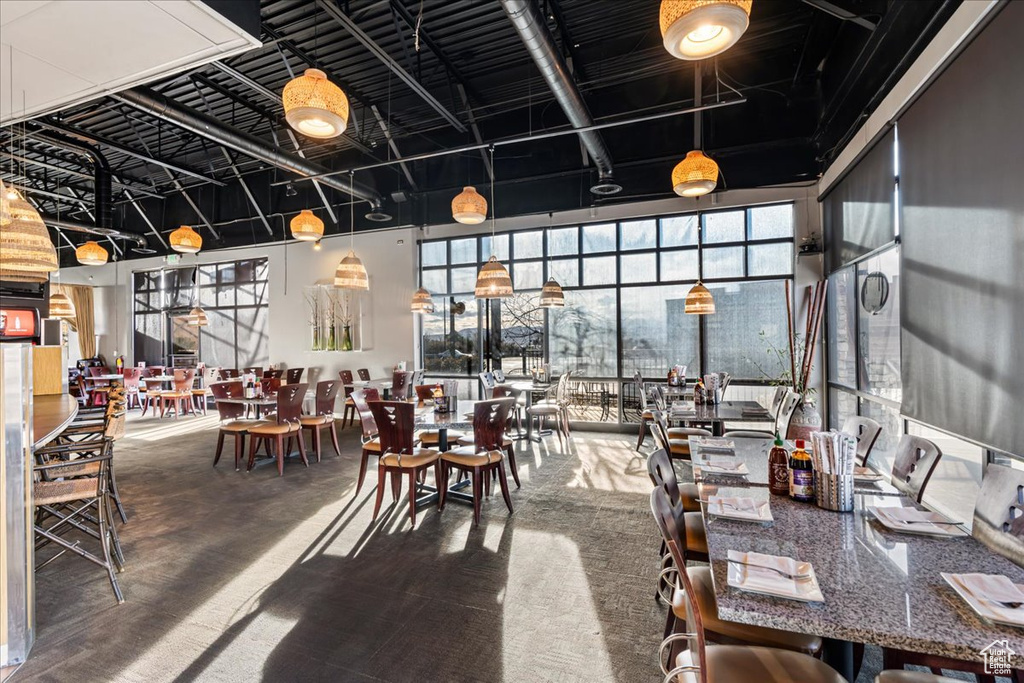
[880, 587]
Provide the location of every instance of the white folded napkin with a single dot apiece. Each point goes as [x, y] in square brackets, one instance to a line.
[742, 507]
[756, 578]
[715, 442]
[723, 466]
[900, 516]
[991, 590]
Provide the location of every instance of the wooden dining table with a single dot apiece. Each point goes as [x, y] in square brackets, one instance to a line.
[880, 587]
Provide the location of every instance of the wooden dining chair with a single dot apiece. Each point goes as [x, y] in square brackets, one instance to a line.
[364, 374]
[274, 374]
[180, 397]
[151, 397]
[294, 375]
[348, 416]
[461, 439]
[483, 457]
[200, 394]
[131, 387]
[399, 456]
[424, 394]
[916, 458]
[254, 369]
[229, 373]
[370, 440]
[286, 424]
[232, 422]
[725, 661]
[866, 432]
[323, 416]
[486, 384]
[401, 385]
[100, 387]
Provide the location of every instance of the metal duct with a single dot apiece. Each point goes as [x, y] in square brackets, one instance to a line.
[531, 27]
[63, 224]
[102, 192]
[155, 104]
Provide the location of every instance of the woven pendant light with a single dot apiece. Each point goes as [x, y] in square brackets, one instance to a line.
[307, 226]
[699, 300]
[314, 106]
[186, 240]
[694, 176]
[6, 194]
[493, 281]
[26, 252]
[197, 317]
[351, 273]
[422, 302]
[698, 29]
[61, 307]
[552, 296]
[91, 254]
[469, 207]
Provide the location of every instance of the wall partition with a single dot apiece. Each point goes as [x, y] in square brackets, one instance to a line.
[625, 285]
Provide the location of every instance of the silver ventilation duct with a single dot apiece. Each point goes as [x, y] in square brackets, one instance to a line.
[530, 25]
[63, 224]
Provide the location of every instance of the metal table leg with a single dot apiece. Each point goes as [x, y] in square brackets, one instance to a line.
[839, 655]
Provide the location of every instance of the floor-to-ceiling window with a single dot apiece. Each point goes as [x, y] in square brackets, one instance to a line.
[625, 286]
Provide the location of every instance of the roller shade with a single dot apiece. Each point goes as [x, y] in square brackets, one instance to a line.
[962, 227]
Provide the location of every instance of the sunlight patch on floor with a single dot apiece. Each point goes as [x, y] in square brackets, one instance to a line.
[610, 465]
[145, 429]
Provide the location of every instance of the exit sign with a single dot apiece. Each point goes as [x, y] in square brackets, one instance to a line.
[172, 259]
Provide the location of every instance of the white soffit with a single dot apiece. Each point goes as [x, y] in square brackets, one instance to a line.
[63, 52]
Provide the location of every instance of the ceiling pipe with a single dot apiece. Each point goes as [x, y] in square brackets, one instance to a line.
[153, 103]
[530, 25]
[63, 224]
[102, 192]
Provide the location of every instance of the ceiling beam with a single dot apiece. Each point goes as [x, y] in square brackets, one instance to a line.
[838, 12]
[393, 145]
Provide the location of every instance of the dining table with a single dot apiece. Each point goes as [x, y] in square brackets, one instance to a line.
[717, 414]
[528, 389]
[257, 404]
[879, 586]
[460, 418]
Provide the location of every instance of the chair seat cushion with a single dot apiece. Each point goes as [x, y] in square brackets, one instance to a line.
[647, 415]
[373, 445]
[911, 677]
[175, 394]
[272, 428]
[742, 663]
[704, 591]
[696, 535]
[429, 437]
[200, 392]
[315, 420]
[236, 425]
[679, 448]
[689, 496]
[466, 456]
[418, 458]
[470, 440]
[538, 409]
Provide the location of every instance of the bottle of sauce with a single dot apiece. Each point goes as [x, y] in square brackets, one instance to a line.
[778, 468]
[801, 475]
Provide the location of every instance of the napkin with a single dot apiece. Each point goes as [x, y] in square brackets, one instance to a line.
[994, 587]
[732, 464]
[766, 580]
[899, 516]
[742, 507]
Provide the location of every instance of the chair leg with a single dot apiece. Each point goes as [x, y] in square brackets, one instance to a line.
[114, 492]
[511, 450]
[412, 496]
[115, 541]
[381, 475]
[362, 470]
[279, 442]
[441, 479]
[477, 477]
[396, 485]
[316, 442]
[220, 445]
[642, 433]
[105, 543]
[302, 447]
[334, 438]
[239, 449]
[253, 445]
[503, 480]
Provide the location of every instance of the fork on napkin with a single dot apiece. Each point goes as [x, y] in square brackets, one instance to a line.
[917, 520]
[994, 596]
[742, 507]
[760, 573]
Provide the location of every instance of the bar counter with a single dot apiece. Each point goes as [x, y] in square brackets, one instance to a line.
[50, 415]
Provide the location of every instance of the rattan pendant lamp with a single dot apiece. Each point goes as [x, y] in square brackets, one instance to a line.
[422, 302]
[185, 240]
[91, 253]
[696, 175]
[197, 316]
[698, 29]
[469, 207]
[493, 281]
[307, 226]
[699, 300]
[60, 305]
[26, 252]
[351, 273]
[314, 106]
[6, 194]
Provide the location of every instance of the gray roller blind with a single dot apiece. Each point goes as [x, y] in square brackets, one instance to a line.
[858, 211]
[962, 186]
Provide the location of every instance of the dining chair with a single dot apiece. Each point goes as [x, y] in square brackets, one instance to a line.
[350, 407]
[486, 384]
[499, 375]
[483, 457]
[401, 385]
[180, 397]
[364, 374]
[720, 662]
[229, 373]
[999, 512]
[98, 394]
[663, 474]
[424, 394]
[916, 458]
[79, 390]
[645, 408]
[131, 386]
[370, 440]
[556, 407]
[866, 432]
[777, 399]
[675, 440]
[285, 424]
[399, 456]
[505, 390]
[294, 375]
[232, 419]
[254, 369]
[323, 416]
[783, 417]
[748, 434]
[200, 394]
[274, 374]
[417, 377]
[156, 370]
[695, 546]
[151, 397]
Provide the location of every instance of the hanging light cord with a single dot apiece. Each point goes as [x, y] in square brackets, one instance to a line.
[493, 248]
[351, 212]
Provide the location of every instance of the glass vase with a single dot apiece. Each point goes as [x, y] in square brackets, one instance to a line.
[317, 344]
[346, 338]
[331, 343]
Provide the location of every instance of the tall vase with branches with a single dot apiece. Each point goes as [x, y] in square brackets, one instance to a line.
[314, 312]
[331, 297]
[344, 307]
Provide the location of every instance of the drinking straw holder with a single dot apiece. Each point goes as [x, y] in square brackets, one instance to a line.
[834, 491]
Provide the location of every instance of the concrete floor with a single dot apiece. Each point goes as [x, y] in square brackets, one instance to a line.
[245, 577]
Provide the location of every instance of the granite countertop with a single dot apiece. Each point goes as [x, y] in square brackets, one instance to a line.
[880, 587]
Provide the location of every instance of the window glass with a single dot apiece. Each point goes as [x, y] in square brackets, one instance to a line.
[529, 244]
[878, 304]
[598, 238]
[563, 241]
[770, 259]
[956, 480]
[639, 234]
[435, 281]
[522, 334]
[749, 321]
[656, 332]
[464, 250]
[599, 270]
[679, 265]
[723, 262]
[841, 405]
[434, 253]
[679, 231]
[639, 268]
[771, 222]
[883, 454]
[592, 401]
[528, 275]
[842, 327]
[463, 280]
[724, 226]
[565, 271]
[583, 334]
[500, 248]
[446, 349]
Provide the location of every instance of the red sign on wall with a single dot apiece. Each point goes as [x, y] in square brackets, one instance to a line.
[17, 322]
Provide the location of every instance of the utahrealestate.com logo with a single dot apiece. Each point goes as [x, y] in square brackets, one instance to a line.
[997, 658]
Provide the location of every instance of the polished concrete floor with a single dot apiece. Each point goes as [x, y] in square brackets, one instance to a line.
[245, 577]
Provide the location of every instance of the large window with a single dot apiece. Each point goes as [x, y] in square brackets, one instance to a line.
[625, 285]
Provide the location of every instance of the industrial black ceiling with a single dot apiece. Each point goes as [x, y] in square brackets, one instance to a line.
[809, 71]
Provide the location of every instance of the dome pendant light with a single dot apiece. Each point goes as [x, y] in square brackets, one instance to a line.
[422, 302]
[6, 195]
[696, 175]
[552, 296]
[469, 207]
[699, 300]
[26, 252]
[307, 226]
[61, 307]
[91, 254]
[351, 273]
[197, 317]
[314, 106]
[493, 281]
[698, 29]
[185, 240]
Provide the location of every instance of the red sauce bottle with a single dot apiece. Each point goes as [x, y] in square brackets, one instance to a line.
[778, 468]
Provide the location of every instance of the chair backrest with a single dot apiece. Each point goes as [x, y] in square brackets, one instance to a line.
[184, 381]
[662, 474]
[229, 373]
[179, 374]
[866, 431]
[396, 423]
[364, 374]
[271, 385]
[230, 389]
[254, 369]
[361, 399]
[346, 377]
[562, 394]
[401, 385]
[326, 393]
[999, 512]
[777, 399]
[499, 376]
[503, 391]
[131, 378]
[658, 394]
[490, 420]
[487, 383]
[916, 458]
[424, 393]
[95, 371]
[417, 377]
[671, 530]
[295, 375]
[157, 370]
[210, 375]
[641, 391]
[786, 411]
[275, 374]
[289, 402]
